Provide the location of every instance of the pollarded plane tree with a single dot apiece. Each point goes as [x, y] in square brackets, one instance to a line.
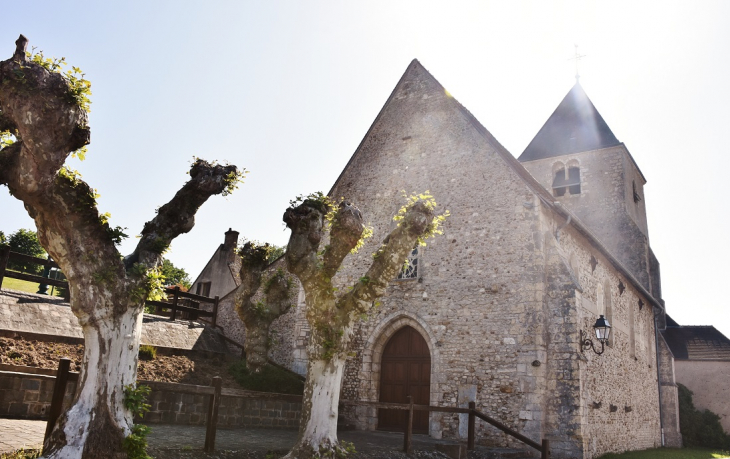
[43, 120]
[331, 316]
[258, 307]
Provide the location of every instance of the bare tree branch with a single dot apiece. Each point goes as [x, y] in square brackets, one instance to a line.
[347, 229]
[388, 260]
[306, 222]
[178, 216]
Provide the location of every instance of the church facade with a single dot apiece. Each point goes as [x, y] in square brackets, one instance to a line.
[495, 310]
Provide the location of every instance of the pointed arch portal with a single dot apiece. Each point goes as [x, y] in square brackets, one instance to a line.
[405, 370]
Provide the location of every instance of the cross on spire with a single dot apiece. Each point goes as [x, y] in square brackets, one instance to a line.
[577, 59]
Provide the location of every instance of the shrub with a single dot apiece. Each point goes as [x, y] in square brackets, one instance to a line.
[699, 428]
[269, 379]
[147, 352]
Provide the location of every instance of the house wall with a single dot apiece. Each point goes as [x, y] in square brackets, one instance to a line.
[709, 381]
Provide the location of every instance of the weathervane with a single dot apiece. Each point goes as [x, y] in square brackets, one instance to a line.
[577, 59]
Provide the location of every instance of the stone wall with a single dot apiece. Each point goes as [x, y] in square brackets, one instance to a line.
[669, 396]
[28, 396]
[709, 382]
[619, 390]
[247, 409]
[49, 316]
[501, 296]
[605, 203]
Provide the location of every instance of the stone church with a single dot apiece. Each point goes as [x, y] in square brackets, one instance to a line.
[496, 309]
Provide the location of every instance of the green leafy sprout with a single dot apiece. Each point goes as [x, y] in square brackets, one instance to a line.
[434, 228]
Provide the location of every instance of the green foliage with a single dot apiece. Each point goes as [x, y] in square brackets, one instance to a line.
[2, 238]
[367, 232]
[232, 180]
[319, 201]
[26, 241]
[116, 234]
[174, 275]
[147, 352]
[260, 308]
[22, 454]
[135, 398]
[6, 139]
[669, 453]
[253, 252]
[699, 428]
[342, 450]
[331, 339]
[153, 285]
[79, 87]
[136, 442]
[434, 228]
[269, 379]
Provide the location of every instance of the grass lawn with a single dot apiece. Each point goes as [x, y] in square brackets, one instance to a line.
[670, 453]
[25, 286]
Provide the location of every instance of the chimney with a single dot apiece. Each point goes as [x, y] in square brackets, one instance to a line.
[231, 240]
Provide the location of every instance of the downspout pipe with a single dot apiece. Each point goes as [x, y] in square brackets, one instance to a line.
[658, 374]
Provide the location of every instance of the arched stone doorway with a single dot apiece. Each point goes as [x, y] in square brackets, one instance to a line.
[405, 369]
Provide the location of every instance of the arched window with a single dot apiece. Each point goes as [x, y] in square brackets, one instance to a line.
[410, 267]
[566, 179]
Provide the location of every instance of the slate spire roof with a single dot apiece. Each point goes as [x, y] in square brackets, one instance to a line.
[573, 127]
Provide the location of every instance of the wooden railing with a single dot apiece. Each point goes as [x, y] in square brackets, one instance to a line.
[194, 312]
[543, 448]
[6, 255]
[63, 375]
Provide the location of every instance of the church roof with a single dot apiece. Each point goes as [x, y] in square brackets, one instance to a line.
[699, 342]
[573, 127]
[415, 68]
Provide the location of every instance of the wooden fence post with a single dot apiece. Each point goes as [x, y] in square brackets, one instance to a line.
[59, 391]
[4, 256]
[215, 312]
[212, 421]
[545, 449]
[407, 443]
[472, 421]
[173, 315]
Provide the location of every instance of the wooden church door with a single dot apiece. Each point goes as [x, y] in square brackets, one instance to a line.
[405, 369]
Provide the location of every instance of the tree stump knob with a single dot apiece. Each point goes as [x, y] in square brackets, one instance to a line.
[20, 46]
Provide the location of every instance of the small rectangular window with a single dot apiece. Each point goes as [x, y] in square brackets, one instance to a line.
[571, 183]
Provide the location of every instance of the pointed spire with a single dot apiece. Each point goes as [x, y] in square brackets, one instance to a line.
[573, 127]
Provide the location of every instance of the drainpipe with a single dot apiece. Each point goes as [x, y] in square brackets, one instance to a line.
[658, 375]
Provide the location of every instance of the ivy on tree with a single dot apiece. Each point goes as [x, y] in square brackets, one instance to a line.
[44, 120]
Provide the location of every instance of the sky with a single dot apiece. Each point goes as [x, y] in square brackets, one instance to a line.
[288, 89]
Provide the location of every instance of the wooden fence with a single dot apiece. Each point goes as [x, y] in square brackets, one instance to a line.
[214, 391]
[6, 255]
[189, 305]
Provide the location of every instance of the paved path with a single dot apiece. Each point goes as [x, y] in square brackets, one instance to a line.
[16, 434]
[19, 433]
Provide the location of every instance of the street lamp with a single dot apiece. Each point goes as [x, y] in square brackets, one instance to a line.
[603, 331]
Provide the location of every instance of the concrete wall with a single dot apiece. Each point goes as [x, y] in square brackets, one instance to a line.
[709, 380]
[669, 396]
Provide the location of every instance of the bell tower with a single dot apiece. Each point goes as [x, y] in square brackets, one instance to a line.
[576, 157]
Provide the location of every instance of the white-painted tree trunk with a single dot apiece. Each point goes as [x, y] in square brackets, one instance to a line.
[320, 410]
[98, 421]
